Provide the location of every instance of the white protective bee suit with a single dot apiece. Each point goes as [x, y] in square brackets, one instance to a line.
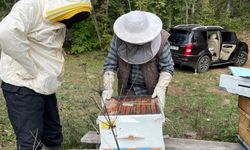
[31, 41]
[31, 67]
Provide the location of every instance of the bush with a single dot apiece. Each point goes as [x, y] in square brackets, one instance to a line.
[82, 38]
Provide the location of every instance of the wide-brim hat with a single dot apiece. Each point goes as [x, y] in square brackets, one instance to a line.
[141, 35]
[138, 27]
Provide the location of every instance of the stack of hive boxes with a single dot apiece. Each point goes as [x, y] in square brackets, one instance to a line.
[244, 124]
[239, 83]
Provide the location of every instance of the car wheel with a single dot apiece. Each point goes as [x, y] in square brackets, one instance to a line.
[241, 59]
[203, 64]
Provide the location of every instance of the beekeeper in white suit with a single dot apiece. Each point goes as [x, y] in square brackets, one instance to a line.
[140, 55]
[31, 67]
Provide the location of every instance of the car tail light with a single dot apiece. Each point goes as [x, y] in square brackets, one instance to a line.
[188, 49]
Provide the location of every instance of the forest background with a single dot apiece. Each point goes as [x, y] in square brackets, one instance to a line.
[96, 32]
[195, 105]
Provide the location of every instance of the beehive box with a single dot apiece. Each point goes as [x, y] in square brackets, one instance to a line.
[235, 85]
[244, 126]
[244, 104]
[136, 124]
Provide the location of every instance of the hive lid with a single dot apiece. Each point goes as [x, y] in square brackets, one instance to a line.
[240, 71]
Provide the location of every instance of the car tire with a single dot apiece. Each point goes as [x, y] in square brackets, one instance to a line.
[203, 64]
[241, 59]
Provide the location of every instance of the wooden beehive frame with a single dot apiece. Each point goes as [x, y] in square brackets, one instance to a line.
[131, 106]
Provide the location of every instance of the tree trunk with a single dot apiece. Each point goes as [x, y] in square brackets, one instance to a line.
[193, 8]
[129, 5]
[187, 7]
[97, 29]
[170, 12]
[107, 9]
[229, 4]
[170, 18]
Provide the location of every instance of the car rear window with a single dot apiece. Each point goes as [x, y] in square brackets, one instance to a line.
[178, 36]
[229, 37]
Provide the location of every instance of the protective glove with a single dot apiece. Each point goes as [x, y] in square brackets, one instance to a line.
[108, 80]
[160, 90]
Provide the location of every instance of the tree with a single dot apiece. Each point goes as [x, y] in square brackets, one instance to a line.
[96, 32]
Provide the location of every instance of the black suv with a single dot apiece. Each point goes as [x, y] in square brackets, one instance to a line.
[200, 47]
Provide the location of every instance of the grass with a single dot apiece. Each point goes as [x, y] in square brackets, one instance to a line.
[194, 104]
[201, 107]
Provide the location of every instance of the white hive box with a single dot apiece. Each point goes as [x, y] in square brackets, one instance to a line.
[137, 124]
[235, 85]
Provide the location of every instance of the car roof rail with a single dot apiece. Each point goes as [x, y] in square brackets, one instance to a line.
[186, 25]
[214, 27]
[208, 27]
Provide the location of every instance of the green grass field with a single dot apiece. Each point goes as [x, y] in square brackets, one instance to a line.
[194, 104]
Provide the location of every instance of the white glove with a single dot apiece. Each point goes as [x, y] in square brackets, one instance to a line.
[108, 79]
[160, 90]
[161, 86]
[160, 93]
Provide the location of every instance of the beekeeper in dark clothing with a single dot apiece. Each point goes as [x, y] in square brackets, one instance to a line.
[31, 67]
[140, 55]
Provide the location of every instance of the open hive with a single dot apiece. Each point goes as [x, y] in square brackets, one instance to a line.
[131, 106]
[135, 123]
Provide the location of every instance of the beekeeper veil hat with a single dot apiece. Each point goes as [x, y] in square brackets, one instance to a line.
[141, 33]
[58, 10]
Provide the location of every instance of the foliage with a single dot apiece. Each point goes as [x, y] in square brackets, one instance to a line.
[231, 23]
[234, 15]
[84, 38]
[5, 7]
[96, 32]
[205, 15]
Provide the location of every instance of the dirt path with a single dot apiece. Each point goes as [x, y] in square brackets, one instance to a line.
[246, 38]
[248, 62]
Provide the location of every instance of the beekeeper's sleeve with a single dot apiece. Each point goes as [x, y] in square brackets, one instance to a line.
[14, 41]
